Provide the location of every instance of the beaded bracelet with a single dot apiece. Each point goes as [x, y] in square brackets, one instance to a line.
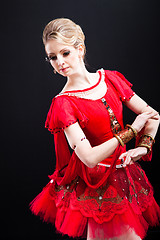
[81, 141]
[146, 140]
[126, 135]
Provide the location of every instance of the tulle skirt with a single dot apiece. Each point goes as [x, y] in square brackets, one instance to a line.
[124, 202]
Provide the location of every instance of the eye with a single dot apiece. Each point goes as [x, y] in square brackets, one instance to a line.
[52, 58]
[65, 54]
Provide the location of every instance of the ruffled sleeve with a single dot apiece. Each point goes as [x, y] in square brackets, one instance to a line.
[63, 112]
[121, 85]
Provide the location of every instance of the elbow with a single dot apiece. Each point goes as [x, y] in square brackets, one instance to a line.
[86, 155]
[90, 165]
[156, 116]
[158, 119]
[89, 161]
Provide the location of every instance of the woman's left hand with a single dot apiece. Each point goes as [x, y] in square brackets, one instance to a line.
[133, 155]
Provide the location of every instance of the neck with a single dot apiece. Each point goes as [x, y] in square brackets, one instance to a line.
[80, 79]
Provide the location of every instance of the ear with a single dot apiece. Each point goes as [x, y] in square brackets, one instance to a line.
[81, 50]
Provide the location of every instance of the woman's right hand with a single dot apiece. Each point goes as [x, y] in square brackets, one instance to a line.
[142, 119]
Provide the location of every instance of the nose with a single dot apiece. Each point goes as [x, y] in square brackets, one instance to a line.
[60, 61]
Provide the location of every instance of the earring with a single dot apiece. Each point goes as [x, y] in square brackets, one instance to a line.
[54, 71]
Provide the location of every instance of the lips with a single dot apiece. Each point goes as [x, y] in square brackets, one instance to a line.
[64, 69]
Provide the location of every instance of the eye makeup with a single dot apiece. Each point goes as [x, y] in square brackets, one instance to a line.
[54, 57]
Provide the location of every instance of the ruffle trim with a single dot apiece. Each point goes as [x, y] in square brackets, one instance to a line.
[56, 122]
[82, 123]
[126, 222]
[62, 216]
[121, 85]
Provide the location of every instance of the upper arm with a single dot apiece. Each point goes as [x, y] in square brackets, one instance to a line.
[75, 137]
[138, 105]
[74, 134]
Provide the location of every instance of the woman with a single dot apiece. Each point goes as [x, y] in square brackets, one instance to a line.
[98, 191]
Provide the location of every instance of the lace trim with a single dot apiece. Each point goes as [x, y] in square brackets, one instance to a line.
[85, 93]
[112, 198]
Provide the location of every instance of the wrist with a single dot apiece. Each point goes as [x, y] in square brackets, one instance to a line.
[134, 127]
[134, 130]
[144, 150]
[147, 141]
[125, 135]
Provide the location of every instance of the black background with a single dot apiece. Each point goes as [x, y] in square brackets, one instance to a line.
[120, 35]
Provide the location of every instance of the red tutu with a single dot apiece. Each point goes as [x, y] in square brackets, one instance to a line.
[124, 202]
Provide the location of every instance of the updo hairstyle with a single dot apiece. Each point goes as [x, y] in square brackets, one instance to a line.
[64, 31]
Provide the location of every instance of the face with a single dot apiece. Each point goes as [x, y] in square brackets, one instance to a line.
[64, 59]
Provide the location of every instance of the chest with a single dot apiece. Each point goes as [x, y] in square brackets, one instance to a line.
[104, 116]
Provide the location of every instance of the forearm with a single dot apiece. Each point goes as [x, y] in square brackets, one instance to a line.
[139, 106]
[151, 127]
[91, 156]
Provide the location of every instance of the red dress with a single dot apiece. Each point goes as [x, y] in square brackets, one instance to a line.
[116, 198]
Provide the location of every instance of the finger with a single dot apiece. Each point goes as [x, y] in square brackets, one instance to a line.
[131, 162]
[153, 114]
[127, 160]
[123, 155]
[149, 113]
[155, 117]
[131, 155]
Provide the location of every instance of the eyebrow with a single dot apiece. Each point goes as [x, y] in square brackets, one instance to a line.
[60, 51]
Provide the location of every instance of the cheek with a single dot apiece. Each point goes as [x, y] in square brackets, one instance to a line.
[74, 60]
[53, 64]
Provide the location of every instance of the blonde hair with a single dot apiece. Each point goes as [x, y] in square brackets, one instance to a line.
[65, 31]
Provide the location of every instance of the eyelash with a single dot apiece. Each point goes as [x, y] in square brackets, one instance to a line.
[53, 58]
[66, 53]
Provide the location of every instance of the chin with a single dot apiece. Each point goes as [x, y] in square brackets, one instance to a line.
[67, 73]
[64, 74]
